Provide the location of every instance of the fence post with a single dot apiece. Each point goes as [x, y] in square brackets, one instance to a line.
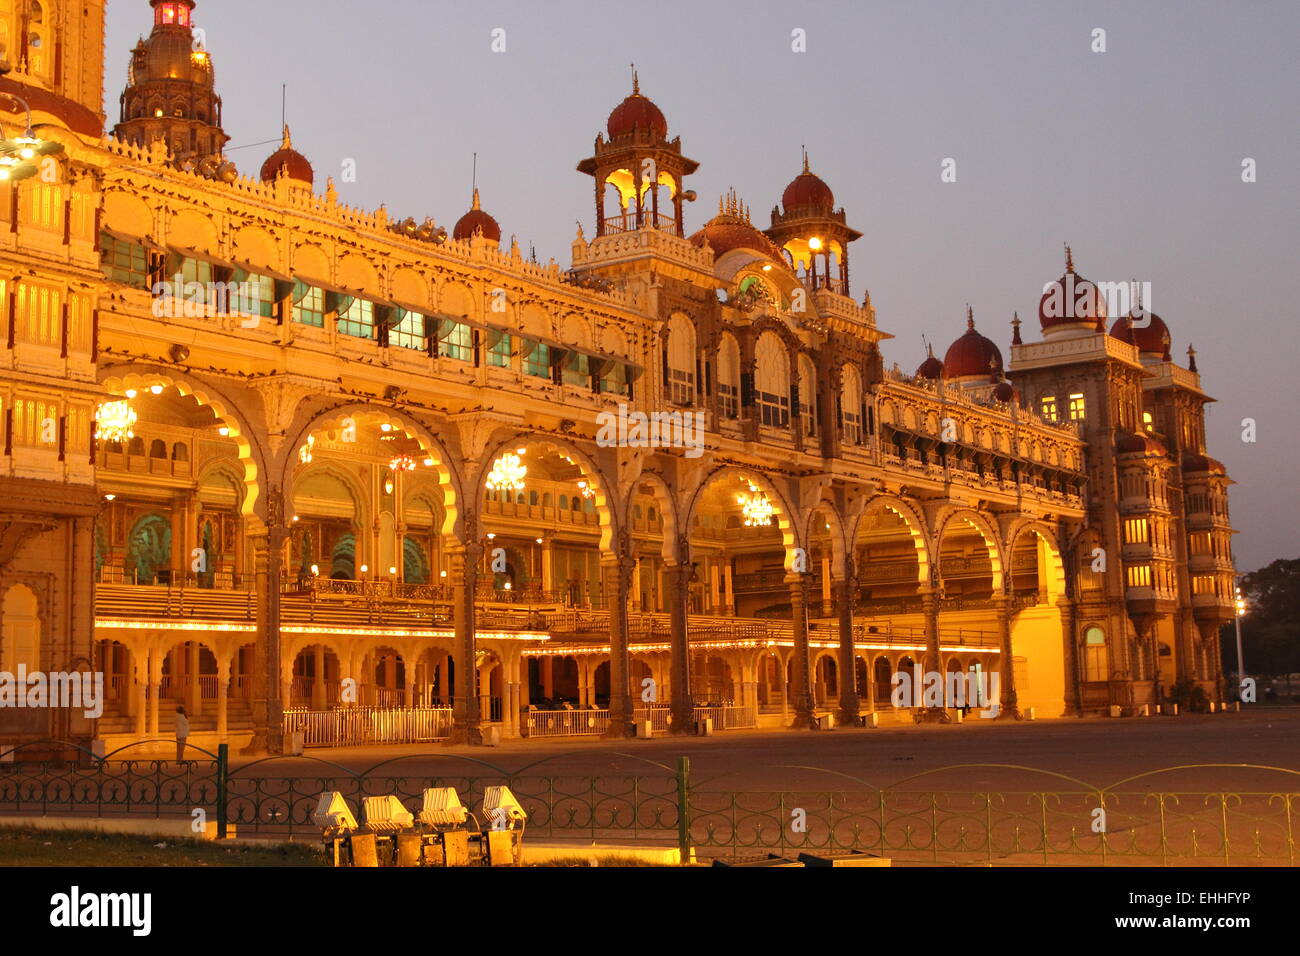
[684, 808]
[223, 758]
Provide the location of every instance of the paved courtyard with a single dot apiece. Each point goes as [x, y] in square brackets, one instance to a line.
[1099, 752]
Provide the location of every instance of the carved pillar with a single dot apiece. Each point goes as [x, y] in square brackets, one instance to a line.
[618, 585]
[845, 589]
[223, 683]
[933, 661]
[1073, 666]
[1009, 705]
[268, 702]
[466, 715]
[802, 670]
[683, 704]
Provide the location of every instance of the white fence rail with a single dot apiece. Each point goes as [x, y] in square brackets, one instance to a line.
[369, 725]
[582, 723]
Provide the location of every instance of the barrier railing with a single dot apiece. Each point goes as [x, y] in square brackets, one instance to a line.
[1062, 822]
[352, 726]
[566, 723]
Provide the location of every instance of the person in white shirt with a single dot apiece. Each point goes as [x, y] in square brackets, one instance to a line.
[182, 732]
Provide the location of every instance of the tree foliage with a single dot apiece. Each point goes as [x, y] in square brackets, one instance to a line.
[1270, 630]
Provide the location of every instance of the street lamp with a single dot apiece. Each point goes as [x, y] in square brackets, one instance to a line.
[1241, 667]
[17, 154]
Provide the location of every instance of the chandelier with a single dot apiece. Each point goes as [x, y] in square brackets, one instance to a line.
[587, 491]
[115, 421]
[756, 508]
[507, 474]
[402, 463]
[304, 453]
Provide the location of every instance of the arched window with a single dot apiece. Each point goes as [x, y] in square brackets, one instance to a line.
[729, 377]
[157, 448]
[679, 361]
[180, 452]
[808, 396]
[1096, 664]
[772, 382]
[850, 405]
[21, 642]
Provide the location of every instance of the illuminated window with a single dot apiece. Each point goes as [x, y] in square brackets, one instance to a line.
[308, 305]
[498, 353]
[124, 262]
[1047, 406]
[1147, 422]
[537, 359]
[679, 361]
[1139, 576]
[357, 317]
[1137, 531]
[1203, 584]
[456, 341]
[252, 294]
[1095, 662]
[1076, 407]
[408, 333]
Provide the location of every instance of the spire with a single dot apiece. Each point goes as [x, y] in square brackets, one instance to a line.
[288, 143]
[1069, 258]
[1015, 329]
[476, 205]
[636, 82]
[970, 318]
[1191, 359]
[805, 161]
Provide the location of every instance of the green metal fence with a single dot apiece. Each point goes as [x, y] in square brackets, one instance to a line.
[1068, 823]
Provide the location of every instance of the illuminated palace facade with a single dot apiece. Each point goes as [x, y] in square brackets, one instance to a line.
[374, 478]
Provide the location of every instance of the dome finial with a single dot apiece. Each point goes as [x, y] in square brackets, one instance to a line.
[1015, 329]
[476, 205]
[970, 318]
[288, 143]
[1191, 358]
[1069, 258]
[636, 82]
[805, 160]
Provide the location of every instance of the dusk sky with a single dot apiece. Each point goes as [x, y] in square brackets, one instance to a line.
[1133, 156]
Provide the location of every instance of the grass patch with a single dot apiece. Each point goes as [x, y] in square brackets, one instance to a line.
[601, 861]
[25, 846]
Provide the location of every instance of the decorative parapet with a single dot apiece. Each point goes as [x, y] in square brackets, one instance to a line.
[638, 244]
[1094, 347]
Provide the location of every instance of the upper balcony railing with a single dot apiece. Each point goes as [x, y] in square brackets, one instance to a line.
[627, 223]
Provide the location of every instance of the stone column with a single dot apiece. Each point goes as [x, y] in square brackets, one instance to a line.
[683, 704]
[140, 670]
[1073, 666]
[193, 690]
[268, 702]
[548, 677]
[318, 680]
[155, 688]
[729, 596]
[802, 671]
[933, 660]
[466, 716]
[828, 598]
[1009, 705]
[618, 588]
[223, 683]
[845, 591]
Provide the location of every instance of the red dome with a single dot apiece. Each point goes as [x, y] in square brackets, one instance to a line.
[1070, 299]
[636, 113]
[1140, 445]
[931, 368]
[1148, 336]
[476, 218]
[290, 160]
[1006, 392]
[807, 190]
[1203, 463]
[972, 354]
[731, 229]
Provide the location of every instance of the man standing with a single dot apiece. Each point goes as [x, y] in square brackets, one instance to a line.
[182, 732]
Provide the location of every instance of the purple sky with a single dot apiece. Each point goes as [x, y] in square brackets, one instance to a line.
[1133, 155]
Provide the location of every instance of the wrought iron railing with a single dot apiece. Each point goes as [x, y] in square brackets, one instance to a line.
[1067, 822]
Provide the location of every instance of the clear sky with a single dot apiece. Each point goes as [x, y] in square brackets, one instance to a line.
[1132, 155]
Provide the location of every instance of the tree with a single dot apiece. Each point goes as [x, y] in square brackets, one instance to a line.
[1270, 630]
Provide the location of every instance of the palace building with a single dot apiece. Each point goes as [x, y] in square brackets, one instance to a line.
[311, 469]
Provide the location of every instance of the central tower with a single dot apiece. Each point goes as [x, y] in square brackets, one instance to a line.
[640, 163]
[171, 93]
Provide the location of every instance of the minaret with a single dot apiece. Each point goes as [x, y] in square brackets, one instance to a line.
[170, 93]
